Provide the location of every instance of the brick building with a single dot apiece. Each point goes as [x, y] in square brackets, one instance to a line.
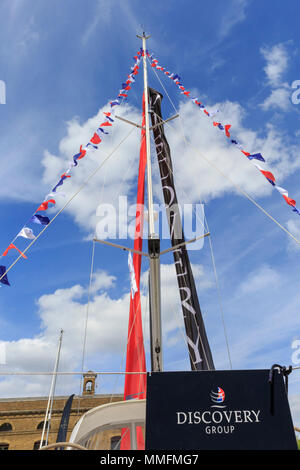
[22, 419]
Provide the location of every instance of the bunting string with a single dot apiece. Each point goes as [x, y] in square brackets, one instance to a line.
[3, 270]
[238, 188]
[226, 129]
[91, 146]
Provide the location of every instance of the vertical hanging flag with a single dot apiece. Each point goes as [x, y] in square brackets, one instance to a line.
[135, 384]
[199, 349]
[134, 288]
[64, 422]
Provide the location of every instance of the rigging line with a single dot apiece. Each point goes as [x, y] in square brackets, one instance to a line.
[128, 339]
[197, 326]
[181, 125]
[213, 263]
[124, 353]
[72, 373]
[219, 297]
[68, 202]
[178, 318]
[129, 335]
[214, 266]
[129, 167]
[239, 189]
[210, 241]
[179, 322]
[223, 174]
[246, 195]
[92, 261]
[88, 163]
[198, 330]
[86, 320]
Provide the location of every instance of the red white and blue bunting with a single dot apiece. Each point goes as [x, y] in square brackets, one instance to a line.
[91, 146]
[103, 130]
[225, 129]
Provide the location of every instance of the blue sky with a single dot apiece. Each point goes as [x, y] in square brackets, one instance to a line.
[62, 62]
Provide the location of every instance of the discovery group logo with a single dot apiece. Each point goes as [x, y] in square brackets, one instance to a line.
[218, 397]
[217, 418]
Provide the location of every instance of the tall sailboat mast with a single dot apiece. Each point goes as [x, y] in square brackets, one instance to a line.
[153, 242]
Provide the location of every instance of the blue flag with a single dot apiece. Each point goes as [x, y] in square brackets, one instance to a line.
[40, 219]
[4, 279]
[257, 156]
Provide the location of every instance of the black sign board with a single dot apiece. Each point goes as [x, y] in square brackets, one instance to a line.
[217, 410]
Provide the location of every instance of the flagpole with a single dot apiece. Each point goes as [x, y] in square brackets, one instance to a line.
[51, 394]
[153, 242]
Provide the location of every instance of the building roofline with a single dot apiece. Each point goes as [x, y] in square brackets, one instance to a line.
[61, 397]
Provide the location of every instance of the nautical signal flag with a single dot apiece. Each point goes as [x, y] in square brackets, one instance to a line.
[267, 174]
[79, 155]
[225, 128]
[285, 195]
[44, 205]
[109, 114]
[256, 156]
[95, 139]
[12, 246]
[83, 151]
[40, 219]
[105, 124]
[26, 233]
[61, 181]
[3, 277]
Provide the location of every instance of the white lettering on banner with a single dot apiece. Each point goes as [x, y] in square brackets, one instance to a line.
[218, 417]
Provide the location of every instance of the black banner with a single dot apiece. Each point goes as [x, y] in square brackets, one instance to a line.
[199, 349]
[218, 410]
[64, 423]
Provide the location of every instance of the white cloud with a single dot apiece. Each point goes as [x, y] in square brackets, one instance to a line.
[118, 176]
[260, 279]
[209, 142]
[101, 15]
[234, 14]
[279, 98]
[114, 179]
[106, 329]
[294, 227]
[67, 309]
[277, 61]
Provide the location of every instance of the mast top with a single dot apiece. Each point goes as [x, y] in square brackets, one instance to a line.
[143, 36]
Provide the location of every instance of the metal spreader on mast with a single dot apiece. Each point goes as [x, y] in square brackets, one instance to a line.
[153, 242]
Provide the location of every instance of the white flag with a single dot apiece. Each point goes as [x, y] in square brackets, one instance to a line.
[134, 288]
[214, 112]
[26, 233]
